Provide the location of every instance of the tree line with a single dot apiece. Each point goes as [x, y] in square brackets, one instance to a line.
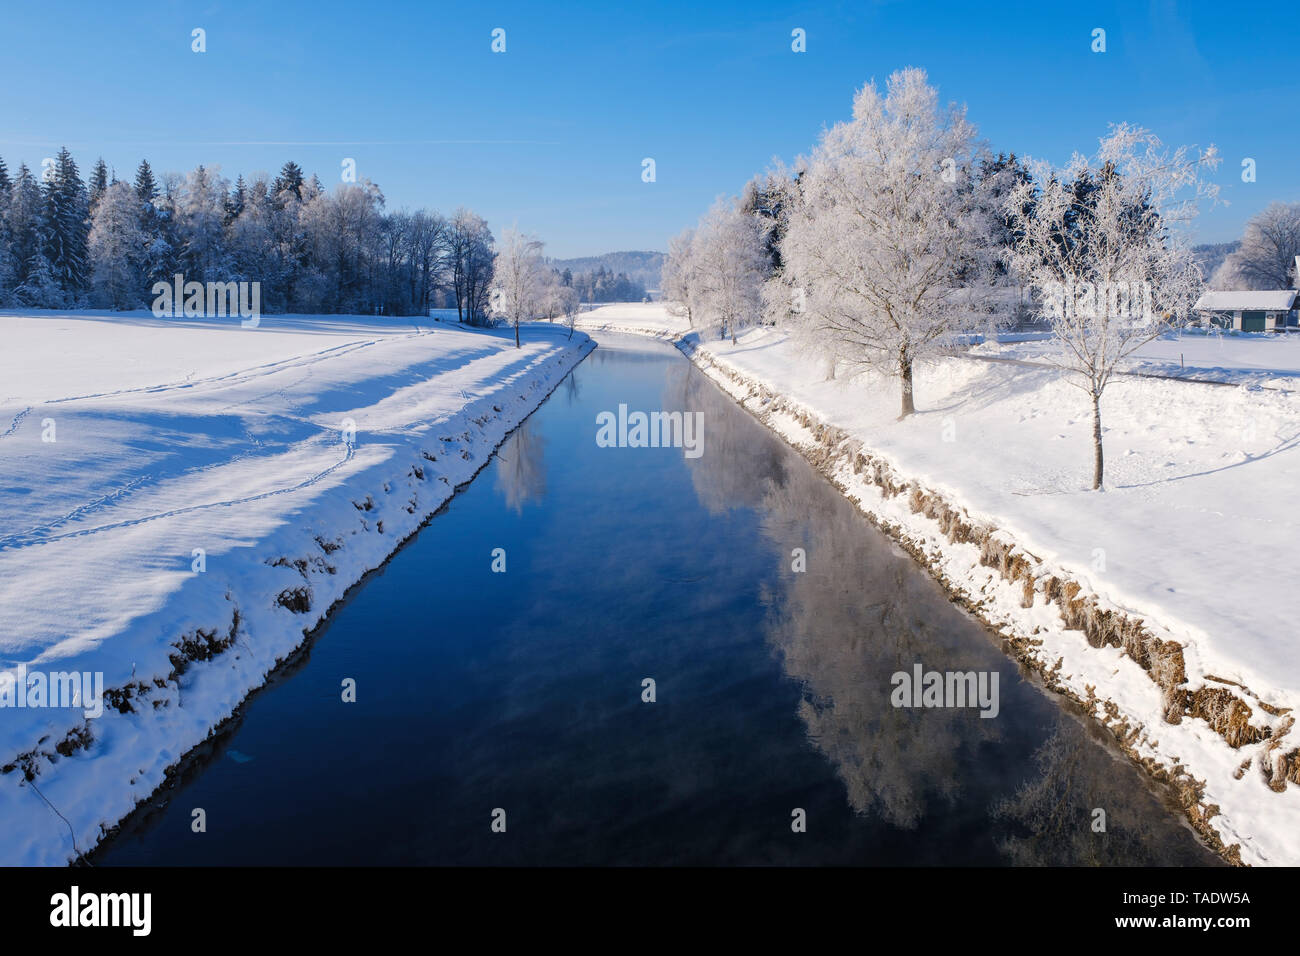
[70, 243]
[604, 285]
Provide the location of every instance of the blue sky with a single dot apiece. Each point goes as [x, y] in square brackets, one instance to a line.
[551, 134]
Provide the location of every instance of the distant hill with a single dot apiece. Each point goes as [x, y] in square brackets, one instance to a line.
[644, 267]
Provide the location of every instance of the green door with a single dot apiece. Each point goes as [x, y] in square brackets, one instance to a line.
[1252, 321]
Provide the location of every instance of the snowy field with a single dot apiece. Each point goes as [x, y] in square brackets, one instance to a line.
[1266, 359]
[1195, 532]
[181, 499]
[641, 318]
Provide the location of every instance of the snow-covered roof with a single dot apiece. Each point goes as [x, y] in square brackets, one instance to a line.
[1232, 300]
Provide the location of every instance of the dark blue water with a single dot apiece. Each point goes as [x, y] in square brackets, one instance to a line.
[523, 690]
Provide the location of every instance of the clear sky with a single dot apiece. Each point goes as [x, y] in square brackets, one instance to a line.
[551, 134]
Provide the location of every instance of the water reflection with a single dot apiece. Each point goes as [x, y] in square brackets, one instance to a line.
[1055, 816]
[862, 611]
[859, 613]
[521, 467]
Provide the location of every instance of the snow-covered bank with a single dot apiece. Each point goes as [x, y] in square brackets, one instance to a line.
[633, 318]
[182, 499]
[1163, 599]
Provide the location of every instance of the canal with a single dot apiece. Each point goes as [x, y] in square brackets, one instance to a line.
[519, 697]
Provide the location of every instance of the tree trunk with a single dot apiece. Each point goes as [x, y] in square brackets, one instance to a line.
[516, 333]
[1097, 463]
[905, 372]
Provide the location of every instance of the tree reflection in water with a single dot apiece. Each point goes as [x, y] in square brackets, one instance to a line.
[521, 467]
[862, 611]
[1053, 815]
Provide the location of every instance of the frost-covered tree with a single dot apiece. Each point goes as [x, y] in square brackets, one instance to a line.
[200, 226]
[570, 305]
[40, 288]
[1104, 244]
[159, 257]
[679, 279]
[162, 217]
[252, 250]
[552, 294]
[890, 241]
[518, 278]
[471, 257]
[427, 239]
[346, 232]
[732, 264]
[290, 182]
[33, 281]
[1266, 257]
[770, 198]
[117, 247]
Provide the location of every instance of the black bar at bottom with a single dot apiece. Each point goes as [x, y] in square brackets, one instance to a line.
[296, 905]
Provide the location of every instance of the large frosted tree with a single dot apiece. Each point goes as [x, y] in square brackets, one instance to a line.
[1266, 258]
[679, 278]
[1105, 246]
[518, 278]
[890, 243]
[200, 225]
[731, 264]
[346, 248]
[470, 256]
[117, 248]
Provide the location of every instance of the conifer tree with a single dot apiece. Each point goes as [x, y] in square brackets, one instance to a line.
[6, 250]
[235, 202]
[146, 187]
[98, 182]
[66, 225]
[24, 224]
[290, 179]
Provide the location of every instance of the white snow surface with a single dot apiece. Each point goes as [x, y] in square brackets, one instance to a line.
[1230, 299]
[640, 318]
[178, 434]
[1266, 359]
[1195, 533]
